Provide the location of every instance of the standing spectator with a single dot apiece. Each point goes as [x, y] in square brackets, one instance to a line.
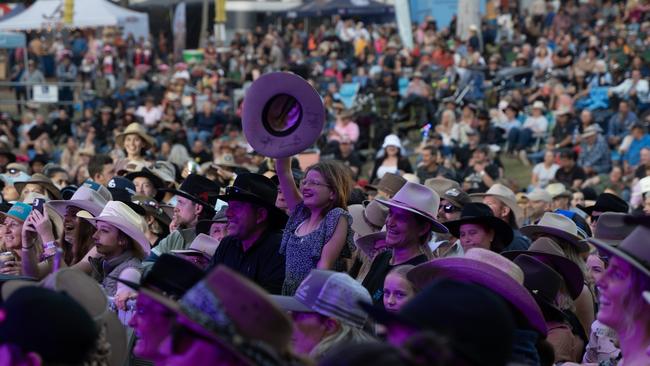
[66, 72]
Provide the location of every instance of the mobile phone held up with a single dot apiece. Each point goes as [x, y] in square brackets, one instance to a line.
[38, 204]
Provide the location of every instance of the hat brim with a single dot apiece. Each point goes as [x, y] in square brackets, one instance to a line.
[188, 196]
[146, 173]
[203, 226]
[488, 276]
[290, 303]
[366, 243]
[570, 272]
[502, 230]
[299, 137]
[6, 214]
[129, 230]
[621, 254]
[512, 204]
[531, 230]
[60, 206]
[49, 187]
[435, 225]
[276, 215]
[385, 317]
[148, 140]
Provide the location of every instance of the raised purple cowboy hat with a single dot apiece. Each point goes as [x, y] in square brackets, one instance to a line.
[490, 270]
[282, 115]
[634, 249]
[419, 199]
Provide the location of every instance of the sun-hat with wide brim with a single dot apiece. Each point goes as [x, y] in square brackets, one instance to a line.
[236, 314]
[556, 225]
[481, 213]
[420, 200]
[120, 215]
[368, 217]
[282, 114]
[203, 245]
[490, 270]
[91, 198]
[544, 283]
[551, 253]
[368, 243]
[135, 129]
[634, 249]
[203, 226]
[87, 292]
[42, 181]
[503, 194]
[612, 228]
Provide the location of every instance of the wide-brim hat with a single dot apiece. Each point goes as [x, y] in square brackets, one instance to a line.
[556, 225]
[151, 207]
[553, 255]
[203, 244]
[612, 228]
[538, 104]
[87, 292]
[43, 181]
[203, 226]
[289, 102]
[482, 214]
[449, 190]
[120, 215]
[606, 202]
[634, 249]
[135, 129]
[590, 131]
[390, 183]
[235, 313]
[490, 270]
[85, 198]
[147, 173]
[367, 243]
[198, 189]
[420, 200]
[557, 190]
[543, 282]
[504, 194]
[257, 189]
[368, 217]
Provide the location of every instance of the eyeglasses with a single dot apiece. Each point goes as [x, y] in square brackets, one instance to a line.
[307, 183]
[449, 208]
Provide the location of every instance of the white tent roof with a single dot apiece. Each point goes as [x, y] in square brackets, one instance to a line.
[46, 14]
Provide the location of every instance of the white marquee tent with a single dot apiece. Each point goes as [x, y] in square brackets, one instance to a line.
[48, 14]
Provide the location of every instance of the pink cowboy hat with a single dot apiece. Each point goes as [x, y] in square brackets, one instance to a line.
[490, 270]
[282, 115]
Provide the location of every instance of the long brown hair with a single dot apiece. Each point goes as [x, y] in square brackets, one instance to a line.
[74, 253]
[338, 178]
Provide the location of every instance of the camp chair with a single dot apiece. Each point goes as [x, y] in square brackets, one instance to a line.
[348, 94]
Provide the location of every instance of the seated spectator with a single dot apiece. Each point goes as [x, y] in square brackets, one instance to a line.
[544, 172]
[392, 160]
[635, 88]
[594, 156]
[430, 166]
[631, 147]
[620, 124]
[570, 174]
[562, 134]
[348, 156]
[481, 173]
[535, 125]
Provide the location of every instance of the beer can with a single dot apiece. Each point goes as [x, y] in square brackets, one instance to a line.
[6, 257]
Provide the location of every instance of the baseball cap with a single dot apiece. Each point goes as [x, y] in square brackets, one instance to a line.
[16, 177]
[122, 189]
[329, 293]
[71, 332]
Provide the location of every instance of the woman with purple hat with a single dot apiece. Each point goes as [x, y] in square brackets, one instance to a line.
[318, 233]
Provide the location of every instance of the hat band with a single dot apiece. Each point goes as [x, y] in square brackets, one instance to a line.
[368, 222]
[421, 212]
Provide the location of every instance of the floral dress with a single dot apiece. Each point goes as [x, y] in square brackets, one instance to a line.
[302, 253]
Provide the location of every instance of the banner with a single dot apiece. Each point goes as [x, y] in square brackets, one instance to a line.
[179, 31]
[403, 17]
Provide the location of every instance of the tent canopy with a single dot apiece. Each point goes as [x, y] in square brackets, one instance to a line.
[47, 14]
[342, 7]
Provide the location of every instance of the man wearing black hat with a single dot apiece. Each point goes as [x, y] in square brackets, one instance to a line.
[606, 202]
[196, 198]
[255, 225]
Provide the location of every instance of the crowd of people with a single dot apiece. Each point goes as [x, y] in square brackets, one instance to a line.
[139, 226]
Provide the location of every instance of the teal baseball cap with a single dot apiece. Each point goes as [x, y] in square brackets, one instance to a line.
[18, 211]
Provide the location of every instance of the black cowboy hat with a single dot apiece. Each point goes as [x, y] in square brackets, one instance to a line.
[257, 189]
[146, 173]
[122, 190]
[481, 213]
[198, 189]
[203, 226]
[544, 283]
[607, 202]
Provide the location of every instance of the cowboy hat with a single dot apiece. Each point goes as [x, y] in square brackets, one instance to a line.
[152, 207]
[203, 226]
[368, 218]
[135, 129]
[611, 228]
[490, 270]
[87, 292]
[165, 171]
[538, 104]
[557, 190]
[556, 225]
[539, 194]
[448, 190]
[126, 220]
[390, 183]
[554, 256]
[503, 194]
[543, 283]
[368, 243]
[634, 249]
[259, 190]
[607, 202]
[482, 214]
[198, 189]
[226, 161]
[203, 245]
[235, 313]
[155, 180]
[420, 200]
[282, 114]
[42, 181]
[91, 197]
[590, 131]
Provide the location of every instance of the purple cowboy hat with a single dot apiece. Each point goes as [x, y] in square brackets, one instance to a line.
[549, 252]
[490, 270]
[419, 199]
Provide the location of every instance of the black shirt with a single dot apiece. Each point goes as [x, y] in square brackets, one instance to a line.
[262, 262]
[567, 177]
[424, 174]
[374, 281]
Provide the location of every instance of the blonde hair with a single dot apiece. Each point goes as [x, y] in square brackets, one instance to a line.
[347, 334]
[338, 178]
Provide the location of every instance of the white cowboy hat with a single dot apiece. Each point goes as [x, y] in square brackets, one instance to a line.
[203, 244]
[419, 199]
[126, 220]
[86, 198]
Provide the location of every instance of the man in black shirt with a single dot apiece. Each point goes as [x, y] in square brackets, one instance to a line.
[569, 173]
[346, 154]
[429, 167]
[252, 246]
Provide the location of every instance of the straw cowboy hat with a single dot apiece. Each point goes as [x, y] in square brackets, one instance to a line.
[390, 183]
[557, 190]
[488, 269]
[612, 229]
[135, 129]
[235, 313]
[553, 255]
[42, 181]
[634, 249]
[89, 197]
[87, 292]
[590, 131]
[126, 220]
[556, 225]
[368, 218]
[289, 102]
[482, 214]
[203, 244]
[420, 200]
[503, 194]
